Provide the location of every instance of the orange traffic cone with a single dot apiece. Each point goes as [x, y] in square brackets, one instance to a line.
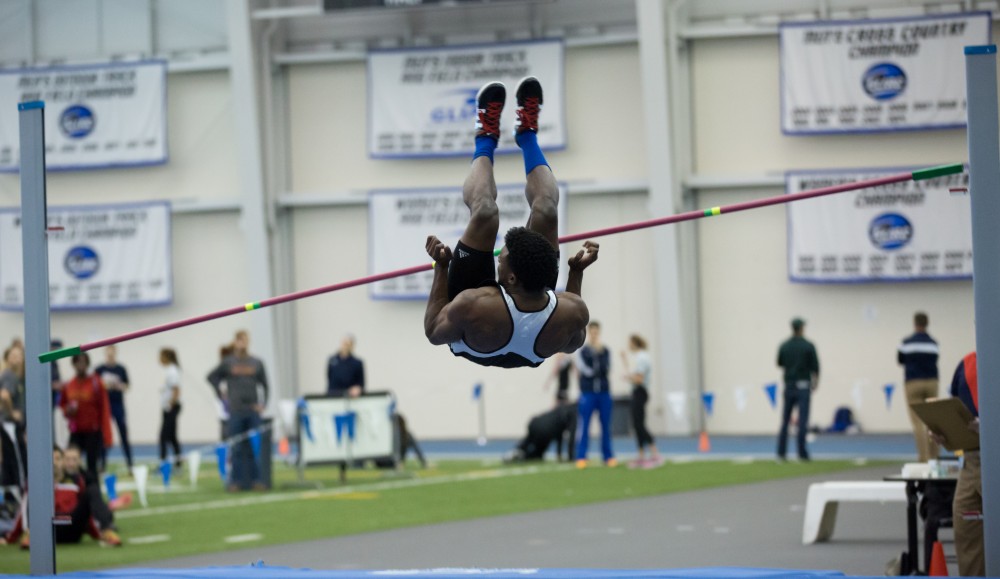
[283, 449]
[703, 443]
[938, 566]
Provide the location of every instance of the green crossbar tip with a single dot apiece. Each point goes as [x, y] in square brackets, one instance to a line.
[59, 354]
[932, 172]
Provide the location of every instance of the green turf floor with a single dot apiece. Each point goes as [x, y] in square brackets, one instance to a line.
[186, 521]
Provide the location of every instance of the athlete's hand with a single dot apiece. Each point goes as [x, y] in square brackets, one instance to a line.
[439, 252]
[585, 256]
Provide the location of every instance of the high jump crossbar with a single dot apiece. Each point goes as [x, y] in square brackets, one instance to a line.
[918, 175]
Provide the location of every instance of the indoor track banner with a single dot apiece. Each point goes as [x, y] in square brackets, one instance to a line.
[910, 231]
[877, 75]
[422, 101]
[103, 257]
[399, 222]
[107, 115]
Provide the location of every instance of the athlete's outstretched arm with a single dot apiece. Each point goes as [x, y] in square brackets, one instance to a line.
[578, 263]
[437, 327]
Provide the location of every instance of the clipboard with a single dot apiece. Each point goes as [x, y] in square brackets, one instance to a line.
[949, 418]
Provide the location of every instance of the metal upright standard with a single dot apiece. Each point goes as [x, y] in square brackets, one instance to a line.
[984, 187]
[38, 375]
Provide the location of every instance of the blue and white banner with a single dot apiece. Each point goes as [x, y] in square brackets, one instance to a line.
[422, 101]
[104, 256]
[915, 230]
[399, 222]
[878, 74]
[339, 429]
[106, 115]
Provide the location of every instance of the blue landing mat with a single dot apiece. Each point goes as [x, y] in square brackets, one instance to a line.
[265, 572]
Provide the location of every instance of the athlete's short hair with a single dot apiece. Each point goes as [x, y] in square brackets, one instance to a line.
[532, 258]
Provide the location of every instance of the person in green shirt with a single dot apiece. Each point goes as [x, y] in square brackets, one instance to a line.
[797, 356]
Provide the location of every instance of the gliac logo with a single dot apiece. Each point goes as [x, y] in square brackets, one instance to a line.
[890, 231]
[884, 81]
[77, 121]
[461, 107]
[82, 262]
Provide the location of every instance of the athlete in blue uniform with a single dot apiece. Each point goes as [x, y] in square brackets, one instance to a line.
[508, 315]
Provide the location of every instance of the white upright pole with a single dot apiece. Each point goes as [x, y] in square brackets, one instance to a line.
[984, 188]
[675, 331]
[243, 79]
[38, 376]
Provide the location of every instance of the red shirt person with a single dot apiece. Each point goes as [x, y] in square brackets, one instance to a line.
[85, 403]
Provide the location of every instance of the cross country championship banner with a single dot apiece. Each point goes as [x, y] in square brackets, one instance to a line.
[910, 231]
[877, 75]
[422, 102]
[108, 115]
[401, 220]
[100, 257]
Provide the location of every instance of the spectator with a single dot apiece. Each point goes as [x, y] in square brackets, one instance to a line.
[60, 426]
[170, 404]
[84, 401]
[797, 356]
[80, 503]
[918, 354]
[637, 374]
[13, 450]
[115, 378]
[101, 509]
[345, 374]
[12, 385]
[222, 405]
[556, 425]
[407, 441]
[967, 509]
[243, 375]
[593, 361]
[561, 374]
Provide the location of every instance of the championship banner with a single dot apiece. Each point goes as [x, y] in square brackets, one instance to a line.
[399, 222]
[877, 75]
[910, 231]
[105, 256]
[422, 102]
[108, 115]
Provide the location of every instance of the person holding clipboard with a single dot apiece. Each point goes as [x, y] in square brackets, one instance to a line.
[967, 510]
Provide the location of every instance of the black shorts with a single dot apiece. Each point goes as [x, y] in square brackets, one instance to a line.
[470, 269]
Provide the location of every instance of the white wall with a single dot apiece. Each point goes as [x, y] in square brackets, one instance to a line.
[327, 108]
[209, 264]
[747, 301]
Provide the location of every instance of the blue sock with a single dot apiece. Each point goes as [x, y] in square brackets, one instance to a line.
[485, 147]
[533, 157]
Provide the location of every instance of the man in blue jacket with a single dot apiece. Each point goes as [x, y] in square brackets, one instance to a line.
[593, 361]
[918, 354]
[345, 374]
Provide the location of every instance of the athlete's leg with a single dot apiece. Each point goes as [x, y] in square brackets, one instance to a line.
[586, 410]
[480, 190]
[480, 195]
[541, 191]
[604, 409]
